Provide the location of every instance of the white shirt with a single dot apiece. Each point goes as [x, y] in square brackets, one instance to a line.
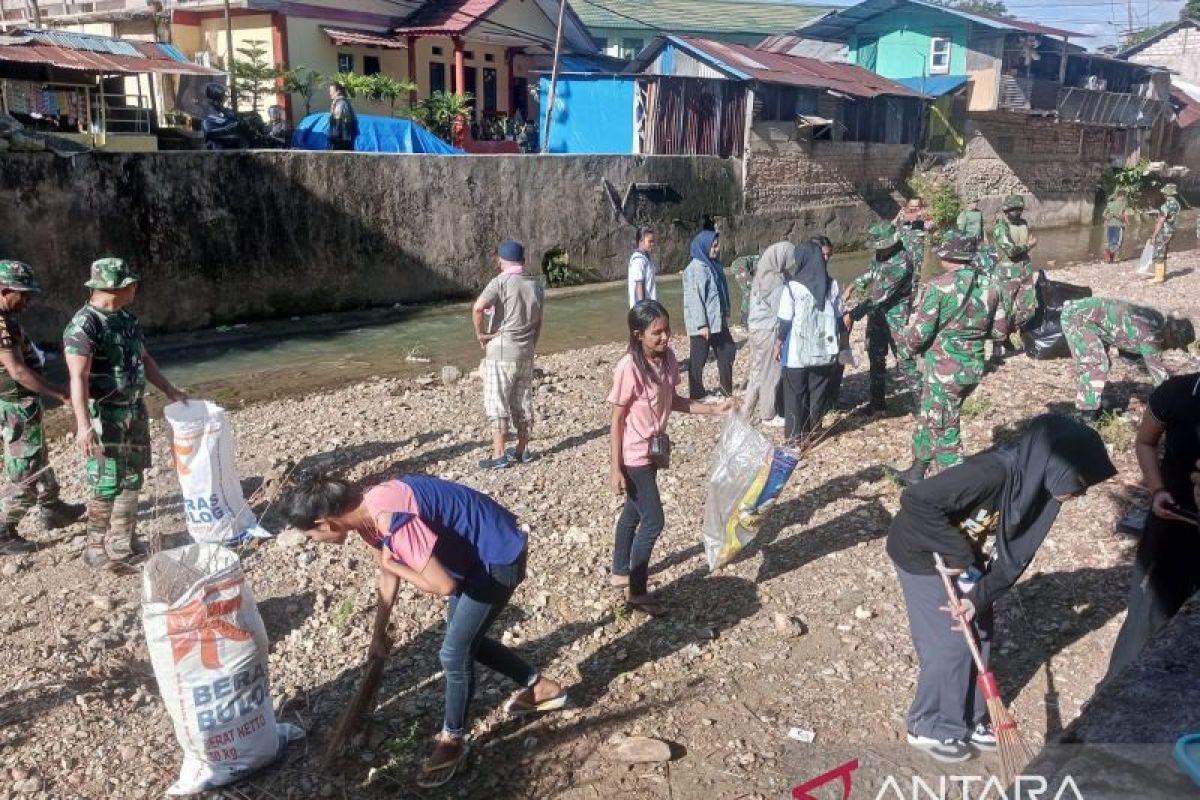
[641, 268]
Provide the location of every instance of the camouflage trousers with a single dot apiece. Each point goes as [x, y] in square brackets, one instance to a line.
[1162, 246]
[883, 335]
[1089, 351]
[115, 476]
[125, 449]
[26, 460]
[938, 439]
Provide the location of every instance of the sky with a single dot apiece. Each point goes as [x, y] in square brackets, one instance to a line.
[1103, 20]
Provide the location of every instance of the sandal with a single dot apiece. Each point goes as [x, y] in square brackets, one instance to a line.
[618, 581]
[518, 706]
[432, 777]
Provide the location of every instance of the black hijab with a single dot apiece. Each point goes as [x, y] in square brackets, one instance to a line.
[1057, 456]
[811, 272]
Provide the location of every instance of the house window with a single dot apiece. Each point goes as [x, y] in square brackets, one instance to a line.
[939, 54]
[371, 65]
[345, 62]
[469, 55]
[437, 77]
[631, 47]
[489, 57]
[489, 89]
[437, 51]
[471, 75]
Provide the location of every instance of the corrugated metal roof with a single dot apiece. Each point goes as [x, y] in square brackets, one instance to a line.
[91, 53]
[703, 17]
[839, 25]
[346, 36]
[792, 45]
[745, 63]
[935, 85]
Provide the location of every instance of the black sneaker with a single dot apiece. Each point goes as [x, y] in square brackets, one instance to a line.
[982, 737]
[950, 751]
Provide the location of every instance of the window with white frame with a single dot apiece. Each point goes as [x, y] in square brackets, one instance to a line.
[939, 54]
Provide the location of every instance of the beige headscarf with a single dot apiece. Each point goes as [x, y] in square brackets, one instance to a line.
[775, 268]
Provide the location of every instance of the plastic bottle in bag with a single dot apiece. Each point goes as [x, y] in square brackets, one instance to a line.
[209, 651]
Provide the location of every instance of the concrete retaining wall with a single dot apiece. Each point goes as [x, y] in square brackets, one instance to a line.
[226, 236]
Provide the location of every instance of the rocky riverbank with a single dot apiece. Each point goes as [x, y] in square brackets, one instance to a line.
[806, 630]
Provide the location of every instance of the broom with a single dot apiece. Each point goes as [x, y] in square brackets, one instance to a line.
[352, 717]
[1014, 753]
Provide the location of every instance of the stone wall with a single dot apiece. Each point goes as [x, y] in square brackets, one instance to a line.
[1058, 167]
[836, 188]
[233, 236]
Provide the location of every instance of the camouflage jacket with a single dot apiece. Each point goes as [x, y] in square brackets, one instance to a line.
[1134, 329]
[115, 342]
[956, 313]
[12, 338]
[1170, 216]
[886, 286]
[1005, 239]
[1017, 282]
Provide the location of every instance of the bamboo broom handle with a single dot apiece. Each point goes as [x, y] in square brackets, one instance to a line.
[967, 628]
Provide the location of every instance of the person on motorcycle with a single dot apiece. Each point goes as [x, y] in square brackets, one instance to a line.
[220, 123]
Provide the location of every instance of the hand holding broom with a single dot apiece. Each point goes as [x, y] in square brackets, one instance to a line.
[1014, 753]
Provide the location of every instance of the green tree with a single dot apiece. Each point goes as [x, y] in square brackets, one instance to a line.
[356, 85]
[438, 112]
[304, 82]
[385, 88]
[977, 6]
[1145, 33]
[1190, 9]
[253, 74]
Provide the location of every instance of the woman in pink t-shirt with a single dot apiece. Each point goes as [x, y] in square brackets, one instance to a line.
[643, 397]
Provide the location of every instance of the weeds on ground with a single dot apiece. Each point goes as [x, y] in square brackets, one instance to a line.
[976, 407]
[1116, 430]
[399, 753]
[341, 615]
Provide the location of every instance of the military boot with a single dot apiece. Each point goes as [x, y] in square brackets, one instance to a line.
[1160, 272]
[878, 387]
[12, 543]
[57, 514]
[100, 511]
[913, 475]
[119, 545]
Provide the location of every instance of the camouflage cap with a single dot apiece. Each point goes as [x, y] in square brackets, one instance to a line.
[957, 246]
[112, 273]
[18, 276]
[1170, 190]
[883, 235]
[1014, 201]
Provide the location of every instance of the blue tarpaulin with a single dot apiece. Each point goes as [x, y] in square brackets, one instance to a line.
[592, 114]
[934, 85]
[375, 135]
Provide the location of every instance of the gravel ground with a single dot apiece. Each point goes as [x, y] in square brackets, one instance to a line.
[805, 630]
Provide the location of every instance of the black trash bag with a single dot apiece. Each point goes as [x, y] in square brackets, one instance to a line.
[1043, 336]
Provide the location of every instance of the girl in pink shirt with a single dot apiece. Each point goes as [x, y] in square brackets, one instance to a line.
[643, 396]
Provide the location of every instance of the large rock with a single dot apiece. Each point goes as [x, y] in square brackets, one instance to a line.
[641, 750]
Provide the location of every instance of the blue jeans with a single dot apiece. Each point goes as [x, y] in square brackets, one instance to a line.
[1114, 235]
[472, 611]
[638, 528]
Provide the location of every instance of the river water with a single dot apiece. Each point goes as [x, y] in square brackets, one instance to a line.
[267, 360]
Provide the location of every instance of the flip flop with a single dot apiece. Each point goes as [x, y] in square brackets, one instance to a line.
[650, 608]
[516, 707]
[441, 775]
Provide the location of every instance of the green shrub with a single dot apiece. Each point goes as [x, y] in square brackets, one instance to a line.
[939, 196]
[556, 266]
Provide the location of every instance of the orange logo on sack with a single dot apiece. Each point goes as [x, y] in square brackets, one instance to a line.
[201, 622]
[182, 451]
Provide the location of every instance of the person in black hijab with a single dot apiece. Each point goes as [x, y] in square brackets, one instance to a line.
[808, 342]
[1012, 497]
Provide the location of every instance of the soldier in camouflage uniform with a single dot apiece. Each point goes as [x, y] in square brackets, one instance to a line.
[1014, 268]
[1093, 324]
[914, 225]
[109, 366]
[26, 460]
[956, 313]
[884, 296]
[1164, 231]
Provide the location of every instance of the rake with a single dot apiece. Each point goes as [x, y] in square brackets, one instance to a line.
[1014, 752]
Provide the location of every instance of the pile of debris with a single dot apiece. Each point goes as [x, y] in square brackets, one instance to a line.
[16, 138]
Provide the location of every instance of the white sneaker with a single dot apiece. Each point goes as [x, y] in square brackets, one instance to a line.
[951, 751]
[774, 422]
